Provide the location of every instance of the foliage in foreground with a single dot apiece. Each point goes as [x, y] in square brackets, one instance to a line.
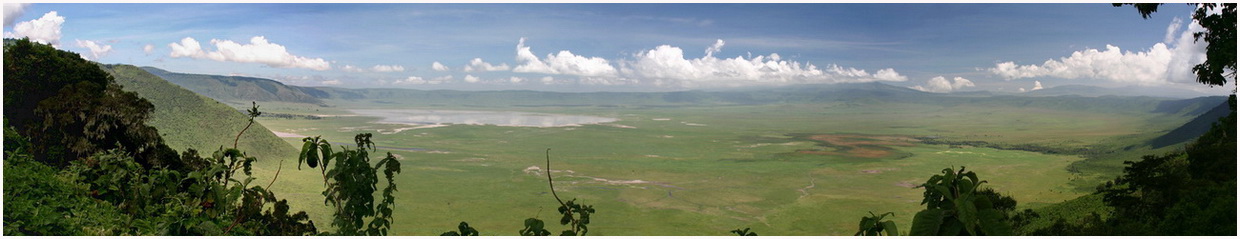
[350, 184]
[955, 207]
[874, 225]
[80, 160]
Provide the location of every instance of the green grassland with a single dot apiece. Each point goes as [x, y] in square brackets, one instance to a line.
[687, 170]
[683, 163]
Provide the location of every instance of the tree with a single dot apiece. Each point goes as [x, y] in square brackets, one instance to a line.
[69, 108]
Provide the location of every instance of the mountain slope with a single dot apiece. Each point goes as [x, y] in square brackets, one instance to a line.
[237, 90]
[188, 120]
[1193, 128]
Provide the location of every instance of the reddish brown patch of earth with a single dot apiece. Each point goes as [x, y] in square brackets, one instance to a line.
[861, 146]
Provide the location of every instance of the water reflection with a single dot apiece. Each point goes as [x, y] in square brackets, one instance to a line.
[500, 118]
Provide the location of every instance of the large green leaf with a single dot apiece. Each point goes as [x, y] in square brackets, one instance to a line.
[305, 147]
[866, 223]
[992, 223]
[951, 227]
[890, 227]
[926, 222]
[967, 212]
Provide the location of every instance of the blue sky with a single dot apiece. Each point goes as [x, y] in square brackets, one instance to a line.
[635, 47]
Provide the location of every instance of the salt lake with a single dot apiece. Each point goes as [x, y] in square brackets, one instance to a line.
[499, 118]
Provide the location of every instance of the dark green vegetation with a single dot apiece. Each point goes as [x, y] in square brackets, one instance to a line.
[351, 182]
[874, 225]
[956, 207]
[80, 160]
[70, 109]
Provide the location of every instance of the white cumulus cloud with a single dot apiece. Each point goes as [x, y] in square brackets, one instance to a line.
[471, 79]
[477, 64]
[1161, 64]
[438, 66]
[940, 84]
[259, 50]
[441, 79]
[717, 47]
[412, 80]
[148, 48]
[45, 30]
[96, 50]
[12, 11]
[1037, 85]
[351, 68]
[387, 68]
[564, 63]
[332, 82]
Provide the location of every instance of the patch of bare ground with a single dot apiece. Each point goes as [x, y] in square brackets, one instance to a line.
[860, 146]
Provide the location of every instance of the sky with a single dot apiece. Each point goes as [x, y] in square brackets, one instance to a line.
[636, 47]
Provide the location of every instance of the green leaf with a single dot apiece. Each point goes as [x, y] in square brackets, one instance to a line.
[944, 191]
[964, 187]
[992, 223]
[891, 229]
[951, 227]
[926, 222]
[568, 233]
[866, 223]
[566, 219]
[966, 212]
[304, 149]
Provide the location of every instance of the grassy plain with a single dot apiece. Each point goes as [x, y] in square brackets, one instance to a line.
[706, 170]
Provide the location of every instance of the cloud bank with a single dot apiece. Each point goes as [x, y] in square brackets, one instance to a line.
[1163, 63]
[259, 50]
[667, 65]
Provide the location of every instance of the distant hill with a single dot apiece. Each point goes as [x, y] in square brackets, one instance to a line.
[238, 90]
[1095, 91]
[188, 120]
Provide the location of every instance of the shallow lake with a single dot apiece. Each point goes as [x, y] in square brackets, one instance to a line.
[500, 118]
